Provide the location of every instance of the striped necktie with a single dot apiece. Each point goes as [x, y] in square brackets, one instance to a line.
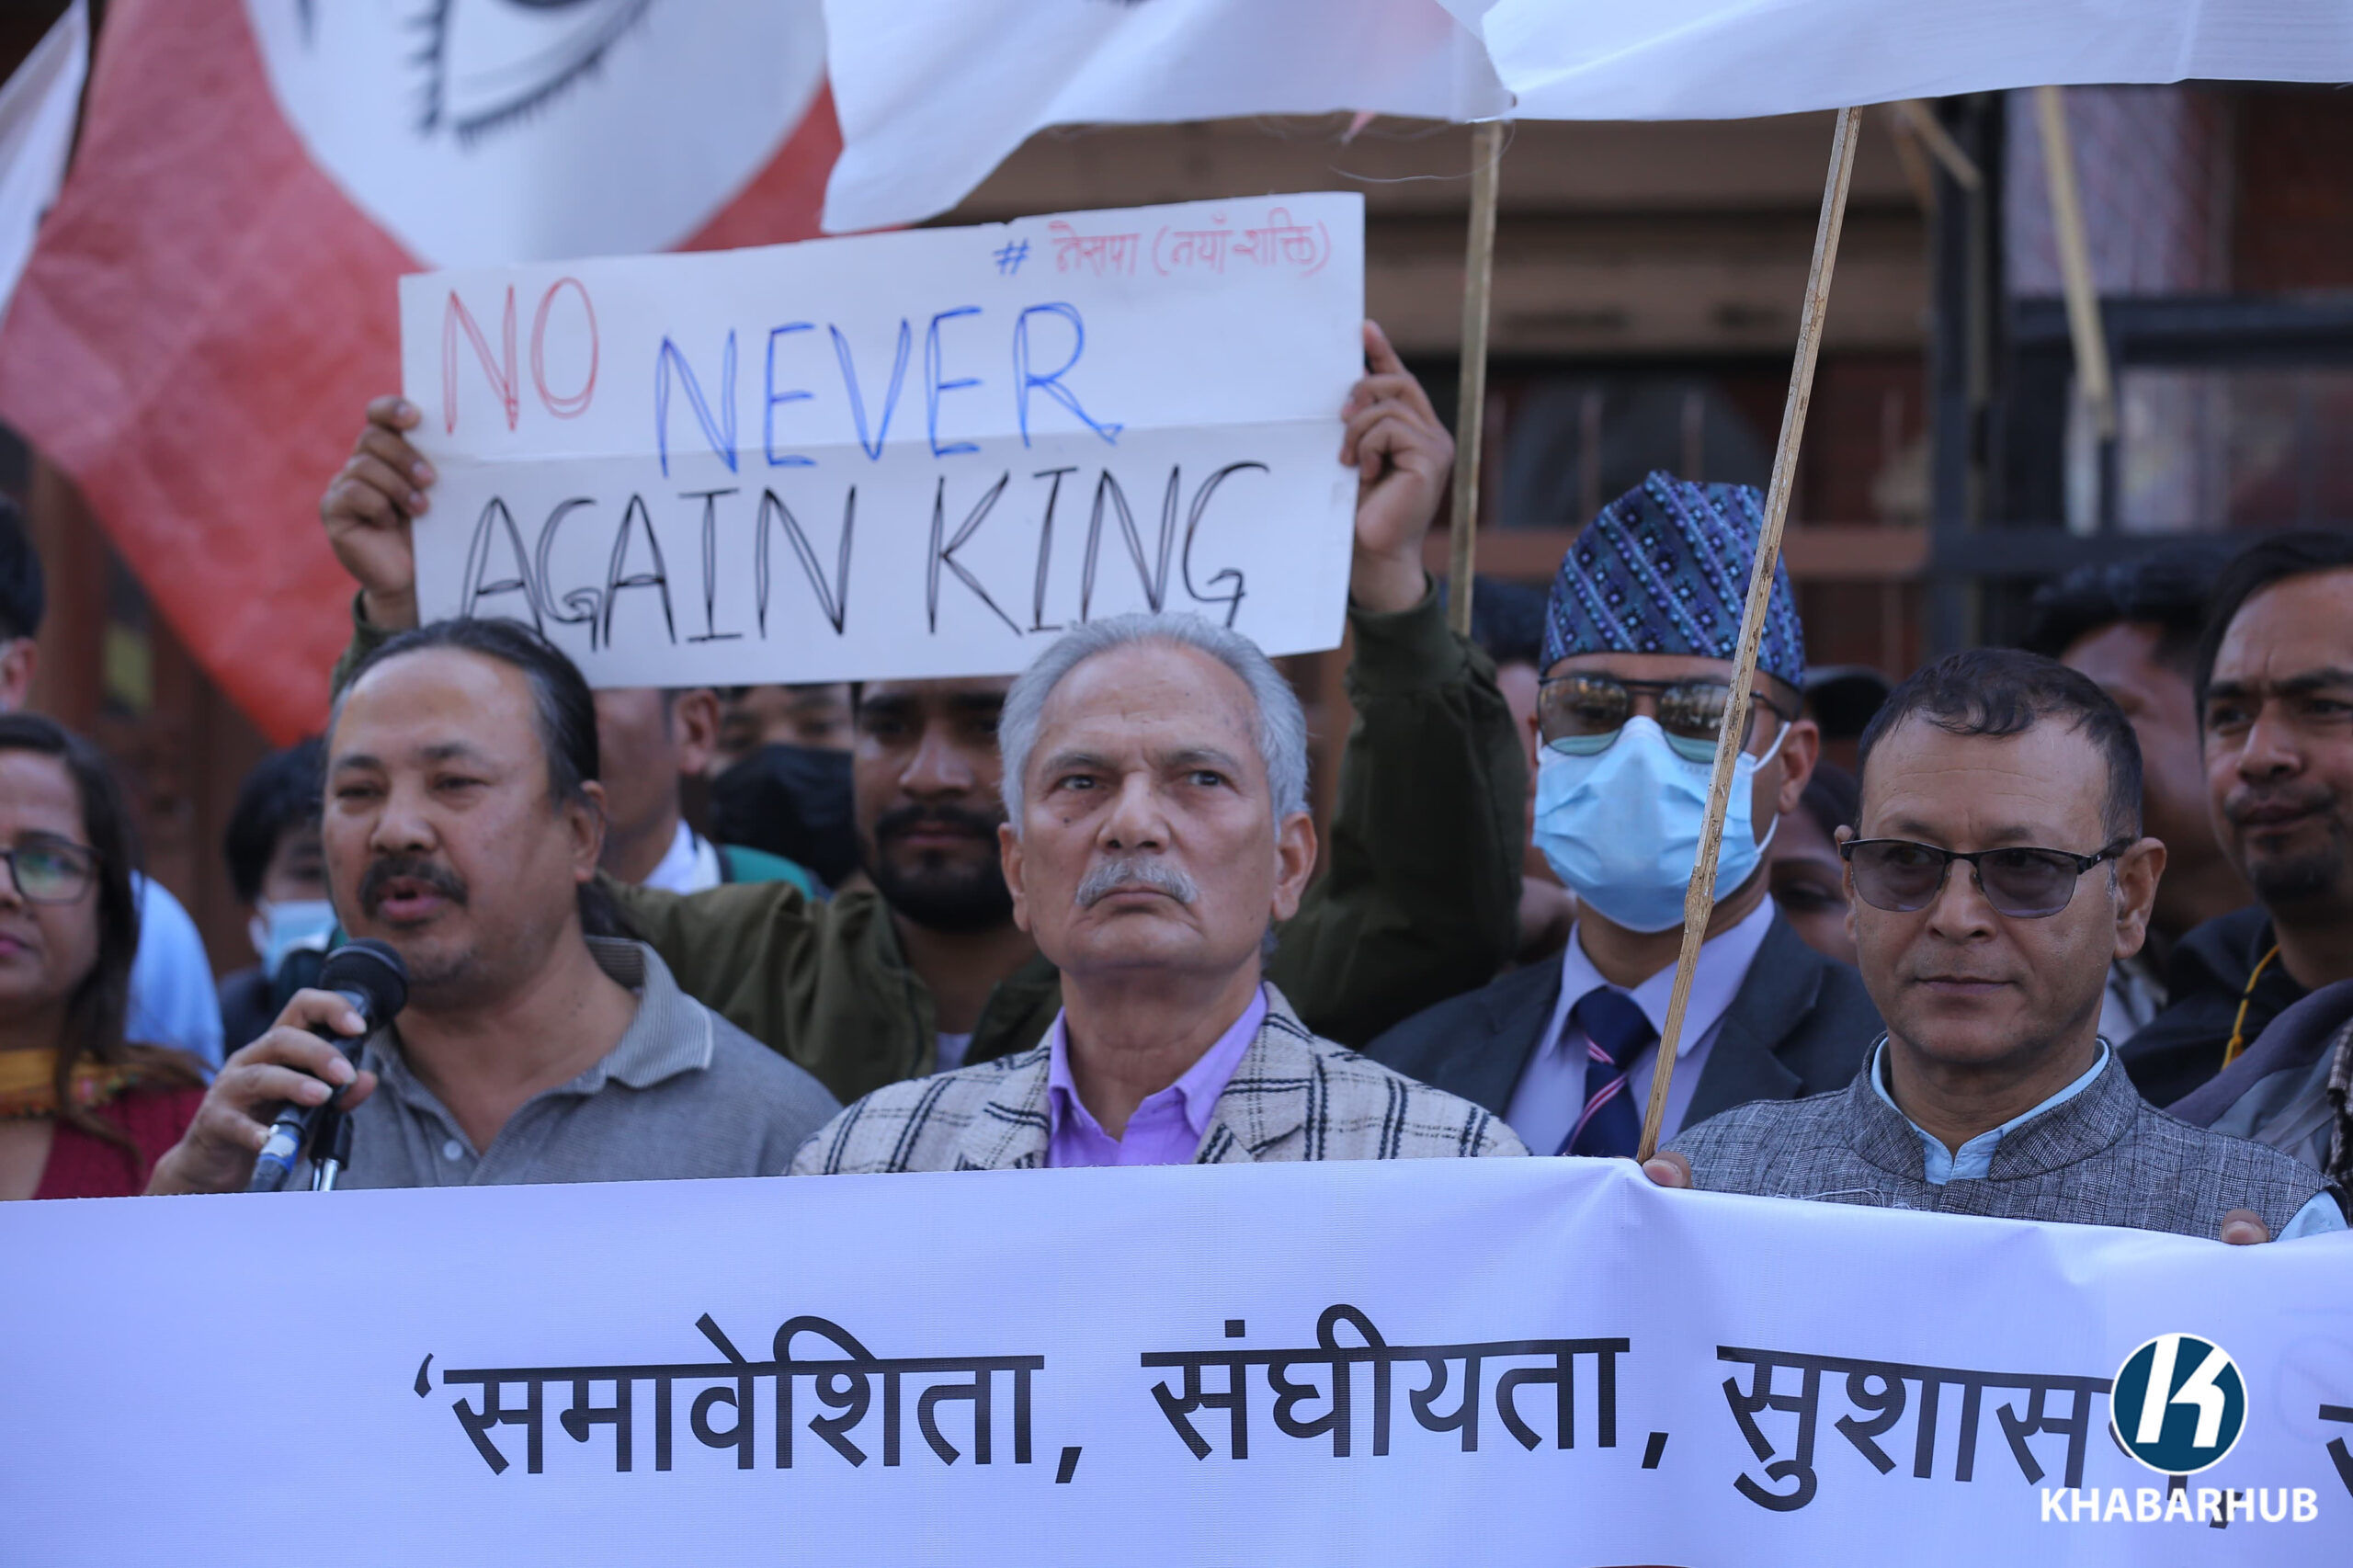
[1616, 1032]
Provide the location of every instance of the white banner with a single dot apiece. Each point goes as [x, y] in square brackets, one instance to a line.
[1731, 59]
[903, 454]
[1505, 1361]
[934, 94]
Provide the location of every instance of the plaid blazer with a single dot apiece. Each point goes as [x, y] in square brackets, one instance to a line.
[1293, 1096]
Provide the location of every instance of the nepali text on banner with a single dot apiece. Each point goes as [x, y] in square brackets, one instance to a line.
[1362, 1364]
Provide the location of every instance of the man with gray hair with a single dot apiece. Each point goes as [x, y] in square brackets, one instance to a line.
[1156, 792]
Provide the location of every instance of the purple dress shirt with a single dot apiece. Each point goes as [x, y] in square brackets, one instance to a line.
[1167, 1129]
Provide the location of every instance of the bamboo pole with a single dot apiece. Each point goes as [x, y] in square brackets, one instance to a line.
[1920, 118]
[2076, 263]
[1700, 902]
[1470, 407]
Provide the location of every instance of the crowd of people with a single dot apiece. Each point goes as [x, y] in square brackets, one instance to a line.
[2072, 941]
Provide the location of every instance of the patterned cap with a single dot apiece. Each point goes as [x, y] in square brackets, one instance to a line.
[1664, 570]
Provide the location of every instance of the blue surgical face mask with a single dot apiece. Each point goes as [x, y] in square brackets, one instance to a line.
[276, 929]
[1621, 826]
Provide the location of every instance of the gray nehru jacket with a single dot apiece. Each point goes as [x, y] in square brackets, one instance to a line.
[685, 1094]
[2105, 1157]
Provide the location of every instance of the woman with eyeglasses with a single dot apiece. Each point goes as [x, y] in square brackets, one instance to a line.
[83, 1112]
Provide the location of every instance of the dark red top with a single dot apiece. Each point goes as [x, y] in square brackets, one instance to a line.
[83, 1166]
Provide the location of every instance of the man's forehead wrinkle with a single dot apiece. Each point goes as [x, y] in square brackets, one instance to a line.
[1179, 757]
[441, 747]
[2293, 684]
[1982, 787]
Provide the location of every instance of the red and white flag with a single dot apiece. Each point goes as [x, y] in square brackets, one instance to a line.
[212, 299]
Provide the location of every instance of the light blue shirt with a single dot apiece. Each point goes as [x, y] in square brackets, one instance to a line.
[1975, 1160]
[173, 1000]
[1550, 1096]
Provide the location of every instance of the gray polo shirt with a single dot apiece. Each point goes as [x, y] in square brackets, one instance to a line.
[685, 1094]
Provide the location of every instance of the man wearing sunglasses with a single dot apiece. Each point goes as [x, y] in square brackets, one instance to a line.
[1639, 638]
[1999, 870]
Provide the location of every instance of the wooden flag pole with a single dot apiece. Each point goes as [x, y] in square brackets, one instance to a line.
[1470, 408]
[1700, 902]
[2076, 263]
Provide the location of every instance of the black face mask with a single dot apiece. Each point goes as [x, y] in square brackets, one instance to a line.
[789, 800]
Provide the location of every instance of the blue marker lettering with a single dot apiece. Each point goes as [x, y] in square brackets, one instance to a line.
[891, 401]
[719, 433]
[767, 419]
[1051, 382]
[934, 386]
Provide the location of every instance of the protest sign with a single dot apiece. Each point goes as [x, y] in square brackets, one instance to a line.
[906, 455]
[1364, 1365]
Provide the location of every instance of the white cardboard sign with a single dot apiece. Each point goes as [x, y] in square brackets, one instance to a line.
[897, 456]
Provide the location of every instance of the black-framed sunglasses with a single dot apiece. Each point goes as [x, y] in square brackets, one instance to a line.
[1583, 713]
[51, 873]
[1901, 876]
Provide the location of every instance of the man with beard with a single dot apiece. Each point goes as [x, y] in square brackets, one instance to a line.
[1417, 900]
[2275, 698]
[2276, 707]
[462, 825]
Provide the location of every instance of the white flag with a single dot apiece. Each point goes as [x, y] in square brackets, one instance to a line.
[38, 109]
[1732, 59]
[482, 132]
[934, 94]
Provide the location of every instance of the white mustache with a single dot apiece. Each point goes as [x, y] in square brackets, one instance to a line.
[1136, 871]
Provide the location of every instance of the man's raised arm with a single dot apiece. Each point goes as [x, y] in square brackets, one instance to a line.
[1418, 896]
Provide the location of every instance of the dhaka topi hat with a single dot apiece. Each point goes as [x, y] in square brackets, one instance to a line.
[1664, 570]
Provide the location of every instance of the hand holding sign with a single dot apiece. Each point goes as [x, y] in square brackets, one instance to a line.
[368, 506]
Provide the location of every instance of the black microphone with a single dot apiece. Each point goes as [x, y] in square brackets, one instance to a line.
[370, 976]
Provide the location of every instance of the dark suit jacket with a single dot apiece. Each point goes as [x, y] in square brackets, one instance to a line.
[1798, 1025]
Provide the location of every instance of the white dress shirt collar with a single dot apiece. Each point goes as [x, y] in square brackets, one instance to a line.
[1724, 963]
[690, 865]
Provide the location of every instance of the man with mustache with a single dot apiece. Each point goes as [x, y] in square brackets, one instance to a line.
[462, 825]
[2276, 688]
[929, 970]
[1155, 791]
[1999, 869]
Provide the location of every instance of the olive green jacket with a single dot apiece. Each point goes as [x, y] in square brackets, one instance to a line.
[1417, 899]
